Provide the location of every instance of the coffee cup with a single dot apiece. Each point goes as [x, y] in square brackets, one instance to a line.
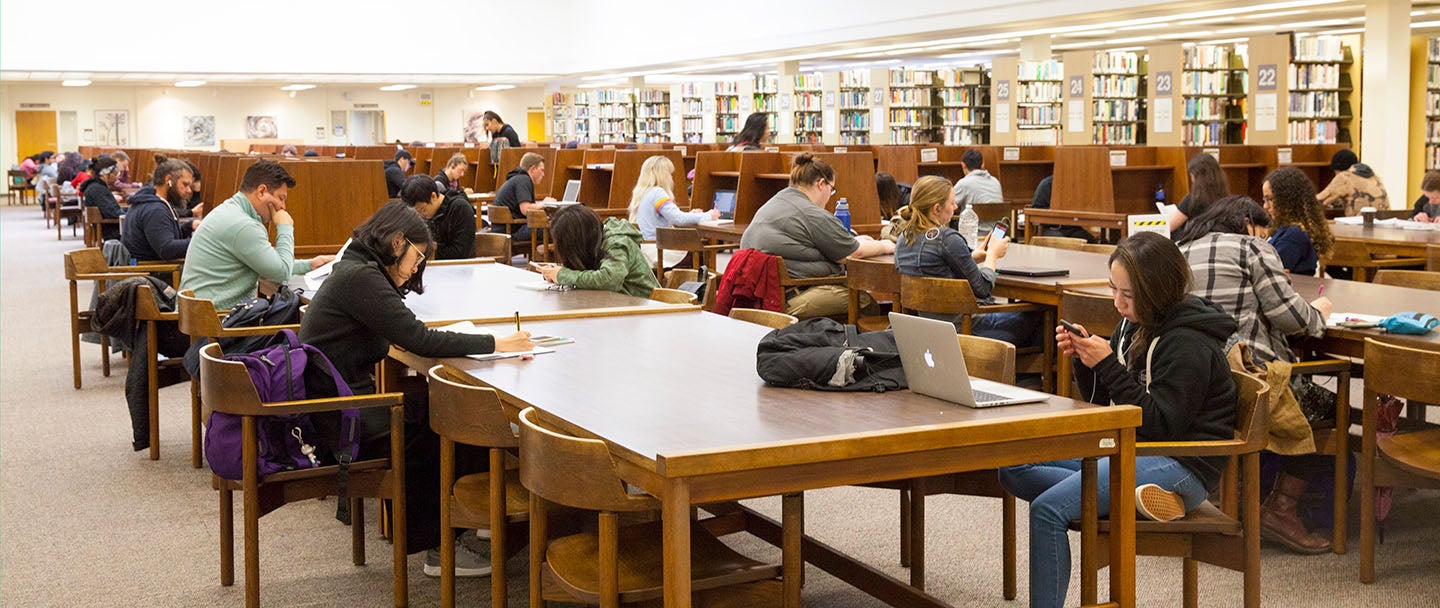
[1367, 215]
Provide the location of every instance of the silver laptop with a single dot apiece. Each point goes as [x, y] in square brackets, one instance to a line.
[935, 367]
[572, 191]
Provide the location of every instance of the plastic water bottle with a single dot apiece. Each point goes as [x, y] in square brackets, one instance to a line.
[842, 212]
[1160, 194]
[970, 226]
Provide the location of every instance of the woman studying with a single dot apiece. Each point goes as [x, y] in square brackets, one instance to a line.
[598, 256]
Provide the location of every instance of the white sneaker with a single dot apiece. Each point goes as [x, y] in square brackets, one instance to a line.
[468, 562]
[1158, 504]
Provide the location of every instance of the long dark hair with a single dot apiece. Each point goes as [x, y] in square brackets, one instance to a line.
[1159, 280]
[1233, 214]
[579, 237]
[757, 126]
[1295, 204]
[889, 193]
[378, 232]
[1207, 182]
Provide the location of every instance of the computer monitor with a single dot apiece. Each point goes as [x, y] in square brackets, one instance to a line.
[724, 203]
[572, 191]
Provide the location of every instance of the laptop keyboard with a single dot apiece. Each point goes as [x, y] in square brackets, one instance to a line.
[984, 397]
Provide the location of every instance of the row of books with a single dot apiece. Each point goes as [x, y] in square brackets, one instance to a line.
[727, 88]
[809, 82]
[1111, 85]
[1432, 132]
[1211, 57]
[653, 125]
[1116, 63]
[614, 112]
[1038, 92]
[692, 107]
[1314, 132]
[613, 96]
[964, 116]
[1211, 83]
[727, 105]
[767, 83]
[1203, 134]
[854, 99]
[1037, 115]
[1319, 48]
[909, 135]
[911, 78]
[1313, 104]
[972, 77]
[808, 122]
[912, 97]
[1124, 134]
[653, 110]
[692, 125]
[858, 121]
[1041, 70]
[965, 96]
[855, 79]
[963, 136]
[1038, 137]
[1314, 76]
[1206, 108]
[809, 101]
[858, 138]
[1117, 109]
[902, 116]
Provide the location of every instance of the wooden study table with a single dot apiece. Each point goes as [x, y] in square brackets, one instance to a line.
[692, 437]
[725, 233]
[1390, 241]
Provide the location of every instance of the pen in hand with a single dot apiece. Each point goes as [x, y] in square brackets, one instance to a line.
[1322, 290]
[517, 321]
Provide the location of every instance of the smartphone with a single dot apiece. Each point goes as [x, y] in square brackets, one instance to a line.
[1073, 328]
[1001, 228]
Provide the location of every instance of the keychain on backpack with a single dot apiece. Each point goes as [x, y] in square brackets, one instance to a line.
[305, 448]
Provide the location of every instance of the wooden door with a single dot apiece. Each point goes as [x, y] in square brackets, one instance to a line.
[535, 125]
[35, 132]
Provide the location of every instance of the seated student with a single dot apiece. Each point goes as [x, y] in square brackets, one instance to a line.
[30, 166]
[395, 171]
[596, 256]
[453, 222]
[1165, 358]
[153, 229]
[96, 192]
[230, 252]
[795, 226]
[753, 135]
[1300, 233]
[652, 205]
[929, 247]
[1207, 185]
[423, 195]
[1243, 275]
[1041, 200]
[123, 181]
[1427, 207]
[195, 207]
[354, 318]
[977, 186]
[1355, 186]
[518, 192]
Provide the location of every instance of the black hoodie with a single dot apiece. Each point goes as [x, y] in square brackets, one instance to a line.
[97, 194]
[153, 231]
[518, 188]
[454, 223]
[394, 178]
[1190, 396]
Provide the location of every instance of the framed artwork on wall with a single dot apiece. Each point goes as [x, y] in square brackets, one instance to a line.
[261, 127]
[112, 127]
[199, 131]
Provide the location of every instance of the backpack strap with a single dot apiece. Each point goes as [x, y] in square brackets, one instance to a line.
[1150, 356]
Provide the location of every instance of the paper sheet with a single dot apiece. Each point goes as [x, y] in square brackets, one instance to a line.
[315, 277]
[1164, 115]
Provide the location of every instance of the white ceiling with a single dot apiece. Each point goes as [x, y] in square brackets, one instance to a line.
[570, 41]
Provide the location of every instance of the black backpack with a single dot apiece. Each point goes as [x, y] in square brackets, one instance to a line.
[282, 308]
[822, 354]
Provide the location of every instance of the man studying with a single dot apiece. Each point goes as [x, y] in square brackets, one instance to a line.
[518, 192]
[153, 228]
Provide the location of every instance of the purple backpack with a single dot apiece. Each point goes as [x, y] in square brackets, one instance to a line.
[286, 441]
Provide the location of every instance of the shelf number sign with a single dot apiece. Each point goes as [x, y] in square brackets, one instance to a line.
[1002, 90]
[1164, 82]
[1265, 77]
[1077, 86]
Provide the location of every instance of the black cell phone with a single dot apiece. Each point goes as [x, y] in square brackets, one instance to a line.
[1001, 229]
[1074, 329]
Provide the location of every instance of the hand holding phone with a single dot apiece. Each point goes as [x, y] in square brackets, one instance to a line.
[1074, 329]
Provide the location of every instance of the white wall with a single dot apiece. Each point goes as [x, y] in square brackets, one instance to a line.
[157, 113]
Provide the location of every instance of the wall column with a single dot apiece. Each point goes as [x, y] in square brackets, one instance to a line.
[1385, 114]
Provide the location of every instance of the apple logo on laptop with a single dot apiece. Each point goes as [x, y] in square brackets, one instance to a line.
[929, 359]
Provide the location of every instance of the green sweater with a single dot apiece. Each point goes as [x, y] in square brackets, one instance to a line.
[231, 251]
[624, 269]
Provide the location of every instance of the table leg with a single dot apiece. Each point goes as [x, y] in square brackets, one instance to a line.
[1122, 521]
[676, 515]
[1089, 532]
[792, 516]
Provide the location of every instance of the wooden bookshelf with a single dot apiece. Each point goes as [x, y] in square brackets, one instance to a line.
[1118, 98]
[727, 110]
[652, 116]
[854, 102]
[1038, 103]
[1213, 90]
[615, 109]
[807, 105]
[914, 107]
[561, 123]
[581, 114]
[692, 112]
[965, 106]
[1319, 92]
[766, 100]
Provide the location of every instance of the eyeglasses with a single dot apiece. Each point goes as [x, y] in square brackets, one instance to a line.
[831, 184]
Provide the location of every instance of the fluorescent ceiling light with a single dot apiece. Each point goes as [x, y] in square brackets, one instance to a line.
[1183, 35]
[297, 87]
[599, 85]
[185, 84]
[1148, 26]
[1086, 33]
[1248, 28]
[397, 87]
[495, 87]
[1352, 30]
[1272, 15]
[1205, 21]
[1420, 24]
[75, 83]
[1311, 24]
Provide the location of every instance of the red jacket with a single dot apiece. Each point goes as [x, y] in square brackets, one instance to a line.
[752, 280]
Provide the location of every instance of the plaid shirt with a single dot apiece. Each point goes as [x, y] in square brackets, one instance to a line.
[1244, 276]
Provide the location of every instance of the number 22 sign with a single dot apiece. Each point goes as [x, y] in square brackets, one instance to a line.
[1265, 77]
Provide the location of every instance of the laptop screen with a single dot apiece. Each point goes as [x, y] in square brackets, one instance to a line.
[572, 190]
[724, 201]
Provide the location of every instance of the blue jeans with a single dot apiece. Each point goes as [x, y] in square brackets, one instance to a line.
[1053, 491]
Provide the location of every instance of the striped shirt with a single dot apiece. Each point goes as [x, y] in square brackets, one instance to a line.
[1243, 275]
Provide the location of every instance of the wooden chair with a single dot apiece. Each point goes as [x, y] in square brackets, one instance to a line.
[89, 265]
[1225, 534]
[1405, 459]
[879, 279]
[500, 216]
[21, 186]
[789, 283]
[64, 208]
[672, 296]
[463, 413]
[228, 389]
[771, 319]
[199, 320]
[1058, 242]
[94, 226]
[954, 297]
[539, 222]
[1414, 279]
[687, 240]
[617, 565]
[1356, 254]
[147, 312]
[1093, 247]
[675, 278]
[493, 245]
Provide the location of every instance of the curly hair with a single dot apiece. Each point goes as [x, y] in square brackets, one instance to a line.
[1295, 204]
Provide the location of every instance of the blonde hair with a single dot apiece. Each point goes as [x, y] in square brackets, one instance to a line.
[928, 192]
[456, 160]
[656, 171]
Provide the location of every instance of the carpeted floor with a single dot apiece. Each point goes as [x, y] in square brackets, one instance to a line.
[86, 522]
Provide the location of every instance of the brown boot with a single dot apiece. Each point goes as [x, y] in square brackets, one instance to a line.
[1280, 520]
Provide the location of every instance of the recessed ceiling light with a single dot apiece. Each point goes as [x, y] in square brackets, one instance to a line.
[495, 87]
[397, 87]
[190, 83]
[75, 83]
[297, 87]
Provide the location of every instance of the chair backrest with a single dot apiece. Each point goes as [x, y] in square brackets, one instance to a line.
[988, 358]
[500, 214]
[92, 216]
[1252, 411]
[145, 307]
[1346, 253]
[493, 245]
[771, 319]
[84, 261]
[1432, 258]
[872, 276]
[1097, 313]
[18, 178]
[1058, 242]
[572, 471]
[678, 239]
[936, 295]
[537, 219]
[227, 387]
[465, 413]
[672, 296]
[1098, 248]
[1415, 279]
[198, 317]
[675, 278]
[1401, 371]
